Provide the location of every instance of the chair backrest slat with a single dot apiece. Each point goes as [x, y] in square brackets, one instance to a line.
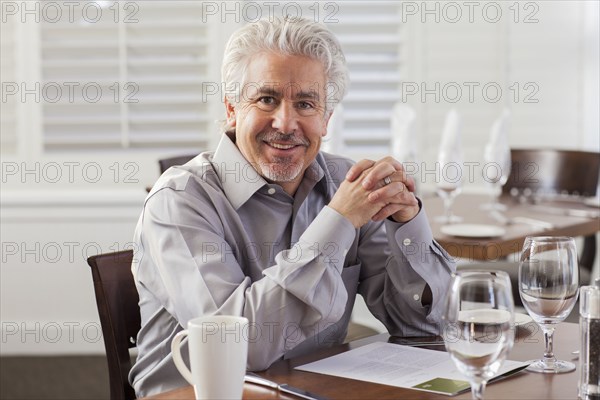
[166, 163]
[573, 172]
[558, 171]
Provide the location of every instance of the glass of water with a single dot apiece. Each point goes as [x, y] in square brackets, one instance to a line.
[549, 286]
[479, 330]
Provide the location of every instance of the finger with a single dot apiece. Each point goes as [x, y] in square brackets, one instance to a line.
[395, 192]
[409, 182]
[401, 176]
[358, 168]
[386, 211]
[377, 174]
[395, 163]
[389, 166]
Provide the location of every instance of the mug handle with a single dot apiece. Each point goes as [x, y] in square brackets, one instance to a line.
[176, 351]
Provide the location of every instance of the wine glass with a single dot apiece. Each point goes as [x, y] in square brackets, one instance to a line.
[497, 161]
[479, 329]
[549, 286]
[449, 182]
[450, 163]
[497, 170]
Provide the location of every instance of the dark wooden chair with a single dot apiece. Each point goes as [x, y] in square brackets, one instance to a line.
[117, 300]
[554, 171]
[166, 163]
[558, 171]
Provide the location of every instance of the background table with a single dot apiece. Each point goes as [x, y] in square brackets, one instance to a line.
[529, 344]
[467, 206]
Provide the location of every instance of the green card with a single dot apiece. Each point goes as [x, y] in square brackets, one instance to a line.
[443, 385]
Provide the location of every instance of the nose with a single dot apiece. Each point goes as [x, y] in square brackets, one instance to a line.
[285, 118]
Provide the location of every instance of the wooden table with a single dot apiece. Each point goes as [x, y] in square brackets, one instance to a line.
[467, 206]
[529, 344]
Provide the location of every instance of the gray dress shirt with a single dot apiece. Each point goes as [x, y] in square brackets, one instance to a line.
[215, 238]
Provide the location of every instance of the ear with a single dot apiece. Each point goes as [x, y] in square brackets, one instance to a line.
[230, 110]
[325, 123]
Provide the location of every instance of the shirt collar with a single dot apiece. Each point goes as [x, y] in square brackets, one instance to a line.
[240, 180]
[315, 173]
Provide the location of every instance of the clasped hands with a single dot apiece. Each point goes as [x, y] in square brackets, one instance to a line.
[375, 190]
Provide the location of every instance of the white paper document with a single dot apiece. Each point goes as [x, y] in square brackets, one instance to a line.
[401, 366]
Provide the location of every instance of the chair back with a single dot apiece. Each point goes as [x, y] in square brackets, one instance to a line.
[117, 300]
[559, 171]
[167, 163]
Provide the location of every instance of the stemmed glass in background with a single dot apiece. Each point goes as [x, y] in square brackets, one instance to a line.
[549, 286]
[450, 163]
[479, 325]
[498, 161]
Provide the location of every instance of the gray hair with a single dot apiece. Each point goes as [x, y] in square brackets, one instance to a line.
[288, 36]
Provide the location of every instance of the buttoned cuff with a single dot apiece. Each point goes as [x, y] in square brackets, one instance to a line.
[415, 232]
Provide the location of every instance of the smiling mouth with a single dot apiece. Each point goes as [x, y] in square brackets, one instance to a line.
[281, 146]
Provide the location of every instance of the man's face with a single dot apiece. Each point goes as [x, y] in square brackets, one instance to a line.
[280, 118]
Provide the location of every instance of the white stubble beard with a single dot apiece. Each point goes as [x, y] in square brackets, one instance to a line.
[281, 170]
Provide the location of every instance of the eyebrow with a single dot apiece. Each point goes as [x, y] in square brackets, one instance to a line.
[271, 91]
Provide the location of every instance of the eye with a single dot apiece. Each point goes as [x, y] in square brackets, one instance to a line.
[305, 105]
[267, 100]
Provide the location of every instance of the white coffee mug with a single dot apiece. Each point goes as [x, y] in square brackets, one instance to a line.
[218, 348]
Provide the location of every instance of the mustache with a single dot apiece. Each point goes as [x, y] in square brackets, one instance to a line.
[289, 138]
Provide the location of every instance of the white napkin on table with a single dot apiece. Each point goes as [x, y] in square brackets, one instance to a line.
[497, 150]
[499, 131]
[450, 143]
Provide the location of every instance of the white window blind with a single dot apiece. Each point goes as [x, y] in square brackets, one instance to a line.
[136, 76]
[9, 103]
[151, 65]
[372, 39]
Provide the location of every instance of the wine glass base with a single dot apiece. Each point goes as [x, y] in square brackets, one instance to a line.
[557, 367]
[493, 207]
[448, 220]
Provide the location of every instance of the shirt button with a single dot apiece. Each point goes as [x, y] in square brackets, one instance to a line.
[406, 242]
[271, 191]
[416, 297]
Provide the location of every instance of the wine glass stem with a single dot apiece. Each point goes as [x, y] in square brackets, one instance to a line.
[477, 388]
[448, 207]
[549, 340]
[496, 196]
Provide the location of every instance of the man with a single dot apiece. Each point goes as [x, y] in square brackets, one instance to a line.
[269, 228]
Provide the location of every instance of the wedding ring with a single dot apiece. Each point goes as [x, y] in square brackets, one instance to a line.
[387, 180]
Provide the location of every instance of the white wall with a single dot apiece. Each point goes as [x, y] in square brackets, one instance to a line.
[47, 299]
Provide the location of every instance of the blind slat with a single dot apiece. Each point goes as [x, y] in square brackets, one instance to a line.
[9, 109]
[150, 73]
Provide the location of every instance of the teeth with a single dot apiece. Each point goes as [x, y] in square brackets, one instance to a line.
[282, 146]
